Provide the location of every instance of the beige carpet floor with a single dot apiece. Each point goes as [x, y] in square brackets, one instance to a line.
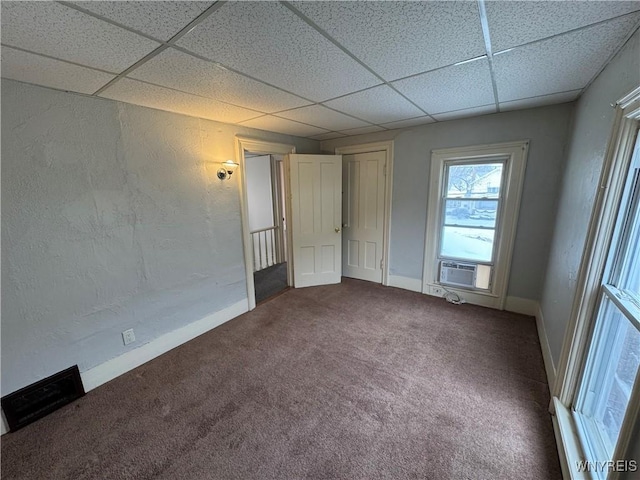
[350, 381]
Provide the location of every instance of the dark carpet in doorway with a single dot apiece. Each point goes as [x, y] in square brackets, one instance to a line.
[270, 281]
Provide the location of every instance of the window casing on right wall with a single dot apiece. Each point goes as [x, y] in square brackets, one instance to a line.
[595, 414]
[611, 365]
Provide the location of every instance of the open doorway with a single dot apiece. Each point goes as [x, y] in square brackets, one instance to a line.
[304, 198]
[267, 223]
[265, 247]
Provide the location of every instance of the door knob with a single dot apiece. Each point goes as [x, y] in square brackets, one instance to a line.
[337, 229]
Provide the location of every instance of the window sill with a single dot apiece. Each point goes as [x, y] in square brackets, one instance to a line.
[569, 449]
[484, 299]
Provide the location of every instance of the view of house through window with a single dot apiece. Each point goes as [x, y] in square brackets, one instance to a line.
[471, 205]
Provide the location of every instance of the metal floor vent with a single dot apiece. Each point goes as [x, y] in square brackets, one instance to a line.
[41, 398]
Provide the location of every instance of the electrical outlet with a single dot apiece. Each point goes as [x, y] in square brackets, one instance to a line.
[436, 290]
[128, 336]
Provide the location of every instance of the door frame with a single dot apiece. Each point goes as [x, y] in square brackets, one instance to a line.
[279, 210]
[387, 147]
[254, 145]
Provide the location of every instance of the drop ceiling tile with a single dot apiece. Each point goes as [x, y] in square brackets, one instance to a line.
[376, 105]
[541, 101]
[32, 68]
[363, 130]
[397, 39]
[175, 69]
[328, 136]
[323, 117]
[139, 93]
[282, 125]
[450, 88]
[62, 32]
[412, 122]
[560, 64]
[268, 41]
[160, 20]
[467, 112]
[517, 23]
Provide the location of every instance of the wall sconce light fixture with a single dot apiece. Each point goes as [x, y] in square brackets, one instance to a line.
[227, 169]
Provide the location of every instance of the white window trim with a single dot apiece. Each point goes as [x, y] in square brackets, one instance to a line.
[516, 153]
[577, 335]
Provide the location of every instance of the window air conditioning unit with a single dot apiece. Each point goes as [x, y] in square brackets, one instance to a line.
[458, 274]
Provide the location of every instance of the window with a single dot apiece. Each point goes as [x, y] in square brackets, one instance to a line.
[471, 204]
[474, 197]
[611, 367]
[596, 395]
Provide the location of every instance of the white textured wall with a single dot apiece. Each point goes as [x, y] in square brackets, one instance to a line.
[591, 131]
[112, 218]
[546, 127]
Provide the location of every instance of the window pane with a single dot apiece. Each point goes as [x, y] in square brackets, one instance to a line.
[467, 243]
[471, 213]
[630, 272]
[612, 367]
[476, 181]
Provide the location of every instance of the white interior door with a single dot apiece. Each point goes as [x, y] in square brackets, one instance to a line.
[316, 212]
[363, 215]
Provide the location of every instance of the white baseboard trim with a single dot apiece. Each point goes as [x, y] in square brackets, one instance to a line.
[4, 428]
[549, 366]
[406, 283]
[115, 367]
[524, 306]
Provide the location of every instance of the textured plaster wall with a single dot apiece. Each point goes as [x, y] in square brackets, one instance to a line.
[591, 131]
[112, 218]
[546, 127]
